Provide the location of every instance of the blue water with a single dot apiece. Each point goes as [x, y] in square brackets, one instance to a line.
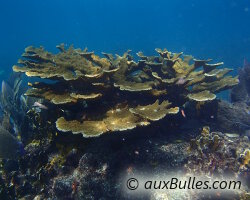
[219, 29]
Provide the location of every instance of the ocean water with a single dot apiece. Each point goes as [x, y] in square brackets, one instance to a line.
[82, 137]
[215, 29]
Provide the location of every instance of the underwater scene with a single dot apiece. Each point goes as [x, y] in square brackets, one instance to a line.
[132, 99]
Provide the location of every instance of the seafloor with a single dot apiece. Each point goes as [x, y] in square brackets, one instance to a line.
[96, 119]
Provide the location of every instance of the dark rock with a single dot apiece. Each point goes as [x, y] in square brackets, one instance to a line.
[62, 187]
[241, 93]
[24, 189]
[11, 165]
[73, 157]
[233, 117]
[88, 162]
[93, 187]
[11, 191]
[3, 190]
[28, 197]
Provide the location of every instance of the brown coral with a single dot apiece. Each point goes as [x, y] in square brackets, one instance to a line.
[202, 96]
[119, 92]
[114, 120]
[155, 111]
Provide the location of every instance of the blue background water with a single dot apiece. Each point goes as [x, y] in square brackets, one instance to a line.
[219, 29]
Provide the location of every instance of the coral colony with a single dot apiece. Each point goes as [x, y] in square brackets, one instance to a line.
[161, 113]
[119, 93]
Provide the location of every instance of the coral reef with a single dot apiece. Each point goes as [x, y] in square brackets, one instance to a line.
[84, 94]
[221, 155]
[119, 93]
[93, 174]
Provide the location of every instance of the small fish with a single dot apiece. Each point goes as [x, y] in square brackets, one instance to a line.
[136, 73]
[39, 105]
[183, 113]
[74, 186]
[129, 169]
[84, 116]
[181, 81]
[232, 135]
[247, 111]
[178, 141]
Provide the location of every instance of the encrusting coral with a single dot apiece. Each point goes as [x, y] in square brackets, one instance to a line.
[114, 93]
